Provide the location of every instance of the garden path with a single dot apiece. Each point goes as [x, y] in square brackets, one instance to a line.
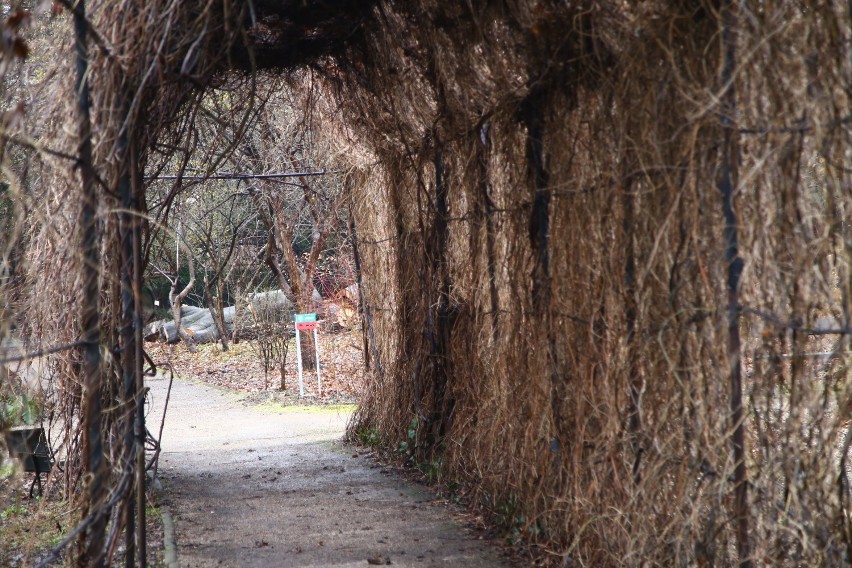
[267, 485]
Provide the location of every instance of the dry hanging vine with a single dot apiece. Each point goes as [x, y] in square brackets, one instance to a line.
[604, 252]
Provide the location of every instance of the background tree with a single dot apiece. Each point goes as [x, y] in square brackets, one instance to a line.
[214, 230]
[291, 217]
[300, 214]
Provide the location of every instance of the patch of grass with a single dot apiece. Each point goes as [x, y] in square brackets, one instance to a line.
[12, 511]
[29, 528]
[7, 470]
[274, 407]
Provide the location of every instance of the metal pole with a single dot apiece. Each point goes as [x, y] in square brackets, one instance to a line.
[138, 322]
[316, 350]
[299, 361]
[127, 341]
[727, 187]
[241, 176]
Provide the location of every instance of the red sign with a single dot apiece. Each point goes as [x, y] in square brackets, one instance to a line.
[306, 325]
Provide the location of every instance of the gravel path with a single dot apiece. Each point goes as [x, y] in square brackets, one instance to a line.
[266, 486]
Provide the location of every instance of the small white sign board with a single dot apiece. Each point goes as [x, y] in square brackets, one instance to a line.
[307, 322]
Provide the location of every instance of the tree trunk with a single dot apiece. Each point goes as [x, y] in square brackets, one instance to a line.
[309, 353]
[214, 305]
[95, 490]
[238, 315]
[176, 300]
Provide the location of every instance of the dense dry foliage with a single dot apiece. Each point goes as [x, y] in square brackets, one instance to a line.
[543, 238]
[604, 249]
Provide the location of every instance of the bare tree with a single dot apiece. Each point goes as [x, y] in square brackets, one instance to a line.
[298, 217]
[176, 298]
[214, 229]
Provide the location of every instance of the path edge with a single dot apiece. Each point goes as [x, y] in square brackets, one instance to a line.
[170, 558]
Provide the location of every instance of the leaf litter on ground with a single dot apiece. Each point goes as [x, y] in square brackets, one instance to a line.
[240, 369]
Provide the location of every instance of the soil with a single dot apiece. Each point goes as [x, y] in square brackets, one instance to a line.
[241, 368]
[30, 528]
[268, 485]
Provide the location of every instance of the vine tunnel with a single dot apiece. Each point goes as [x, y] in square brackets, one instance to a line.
[596, 242]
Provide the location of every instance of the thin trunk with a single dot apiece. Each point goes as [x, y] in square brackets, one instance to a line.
[542, 281]
[138, 323]
[213, 306]
[727, 186]
[280, 235]
[357, 259]
[220, 314]
[176, 300]
[322, 227]
[442, 320]
[283, 232]
[92, 539]
[126, 344]
[238, 313]
[273, 241]
[634, 412]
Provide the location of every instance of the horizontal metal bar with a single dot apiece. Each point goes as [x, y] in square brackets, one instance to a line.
[230, 175]
[817, 355]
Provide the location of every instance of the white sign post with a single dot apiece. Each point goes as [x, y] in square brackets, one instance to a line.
[305, 322]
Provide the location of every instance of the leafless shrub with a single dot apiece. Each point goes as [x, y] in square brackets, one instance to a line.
[271, 340]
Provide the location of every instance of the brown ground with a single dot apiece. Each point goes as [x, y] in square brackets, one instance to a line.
[240, 369]
[267, 485]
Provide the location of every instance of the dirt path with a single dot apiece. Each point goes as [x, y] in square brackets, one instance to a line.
[263, 486]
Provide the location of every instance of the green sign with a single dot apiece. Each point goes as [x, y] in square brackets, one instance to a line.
[302, 318]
